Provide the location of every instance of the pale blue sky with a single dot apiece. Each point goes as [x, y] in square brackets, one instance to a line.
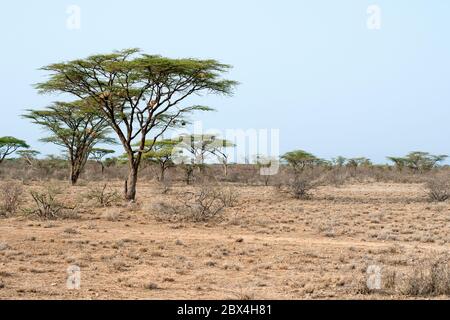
[309, 68]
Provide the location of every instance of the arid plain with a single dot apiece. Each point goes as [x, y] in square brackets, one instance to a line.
[264, 246]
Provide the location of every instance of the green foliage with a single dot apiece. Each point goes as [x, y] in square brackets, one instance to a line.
[161, 150]
[138, 93]
[76, 126]
[418, 161]
[339, 161]
[359, 162]
[98, 154]
[28, 155]
[9, 145]
[299, 159]
[199, 146]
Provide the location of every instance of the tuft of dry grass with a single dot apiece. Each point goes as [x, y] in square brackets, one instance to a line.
[438, 189]
[10, 198]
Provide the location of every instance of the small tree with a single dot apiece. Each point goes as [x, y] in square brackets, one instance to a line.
[418, 161]
[9, 145]
[198, 146]
[359, 162]
[299, 159]
[75, 126]
[29, 156]
[191, 152]
[139, 94]
[264, 164]
[400, 163]
[218, 148]
[161, 154]
[339, 161]
[97, 154]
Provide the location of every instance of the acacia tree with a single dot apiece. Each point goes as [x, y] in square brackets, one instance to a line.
[198, 146]
[339, 161]
[75, 126]
[264, 164]
[219, 149]
[400, 163]
[299, 159]
[418, 161]
[138, 94]
[359, 162]
[9, 145]
[161, 154]
[190, 151]
[98, 154]
[28, 155]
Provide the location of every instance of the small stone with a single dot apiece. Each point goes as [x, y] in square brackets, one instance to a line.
[151, 286]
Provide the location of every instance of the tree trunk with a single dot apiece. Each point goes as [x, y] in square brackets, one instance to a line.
[102, 166]
[225, 169]
[163, 172]
[75, 171]
[130, 183]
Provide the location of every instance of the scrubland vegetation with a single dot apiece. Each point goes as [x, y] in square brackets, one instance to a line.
[306, 234]
[176, 218]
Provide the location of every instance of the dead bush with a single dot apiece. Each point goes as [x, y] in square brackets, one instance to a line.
[103, 196]
[438, 189]
[431, 279]
[205, 204]
[11, 198]
[336, 177]
[200, 206]
[48, 207]
[229, 196]
[300, 184]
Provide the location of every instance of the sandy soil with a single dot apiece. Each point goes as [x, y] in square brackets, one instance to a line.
[268, 246]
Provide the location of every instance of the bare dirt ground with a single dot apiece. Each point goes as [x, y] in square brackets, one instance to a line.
[268, 246]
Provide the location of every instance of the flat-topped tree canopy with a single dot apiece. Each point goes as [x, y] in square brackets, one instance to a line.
[138, 93]
[76, 126]
[9, 145]
[99, 153]
[299, 159]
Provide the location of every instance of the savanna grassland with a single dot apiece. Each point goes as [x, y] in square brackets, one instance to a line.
[255, 242]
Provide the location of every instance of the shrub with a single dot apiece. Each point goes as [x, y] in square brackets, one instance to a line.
[229, 197]
[103, 196]
[11, 197]
[203, 205]
[438, 189]
[300, 184]
[428, 280]
[337, 177]
[48, 207]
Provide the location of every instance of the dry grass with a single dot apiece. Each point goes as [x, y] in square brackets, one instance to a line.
[266, 245]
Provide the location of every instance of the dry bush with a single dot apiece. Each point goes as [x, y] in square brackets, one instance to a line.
[438, 189]
[203, 205]
[300, 184]
[229, 196]
[336, 177]
[428, 280]
[47, 206]
[165, 186]
[11, 198]
[103, 196]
